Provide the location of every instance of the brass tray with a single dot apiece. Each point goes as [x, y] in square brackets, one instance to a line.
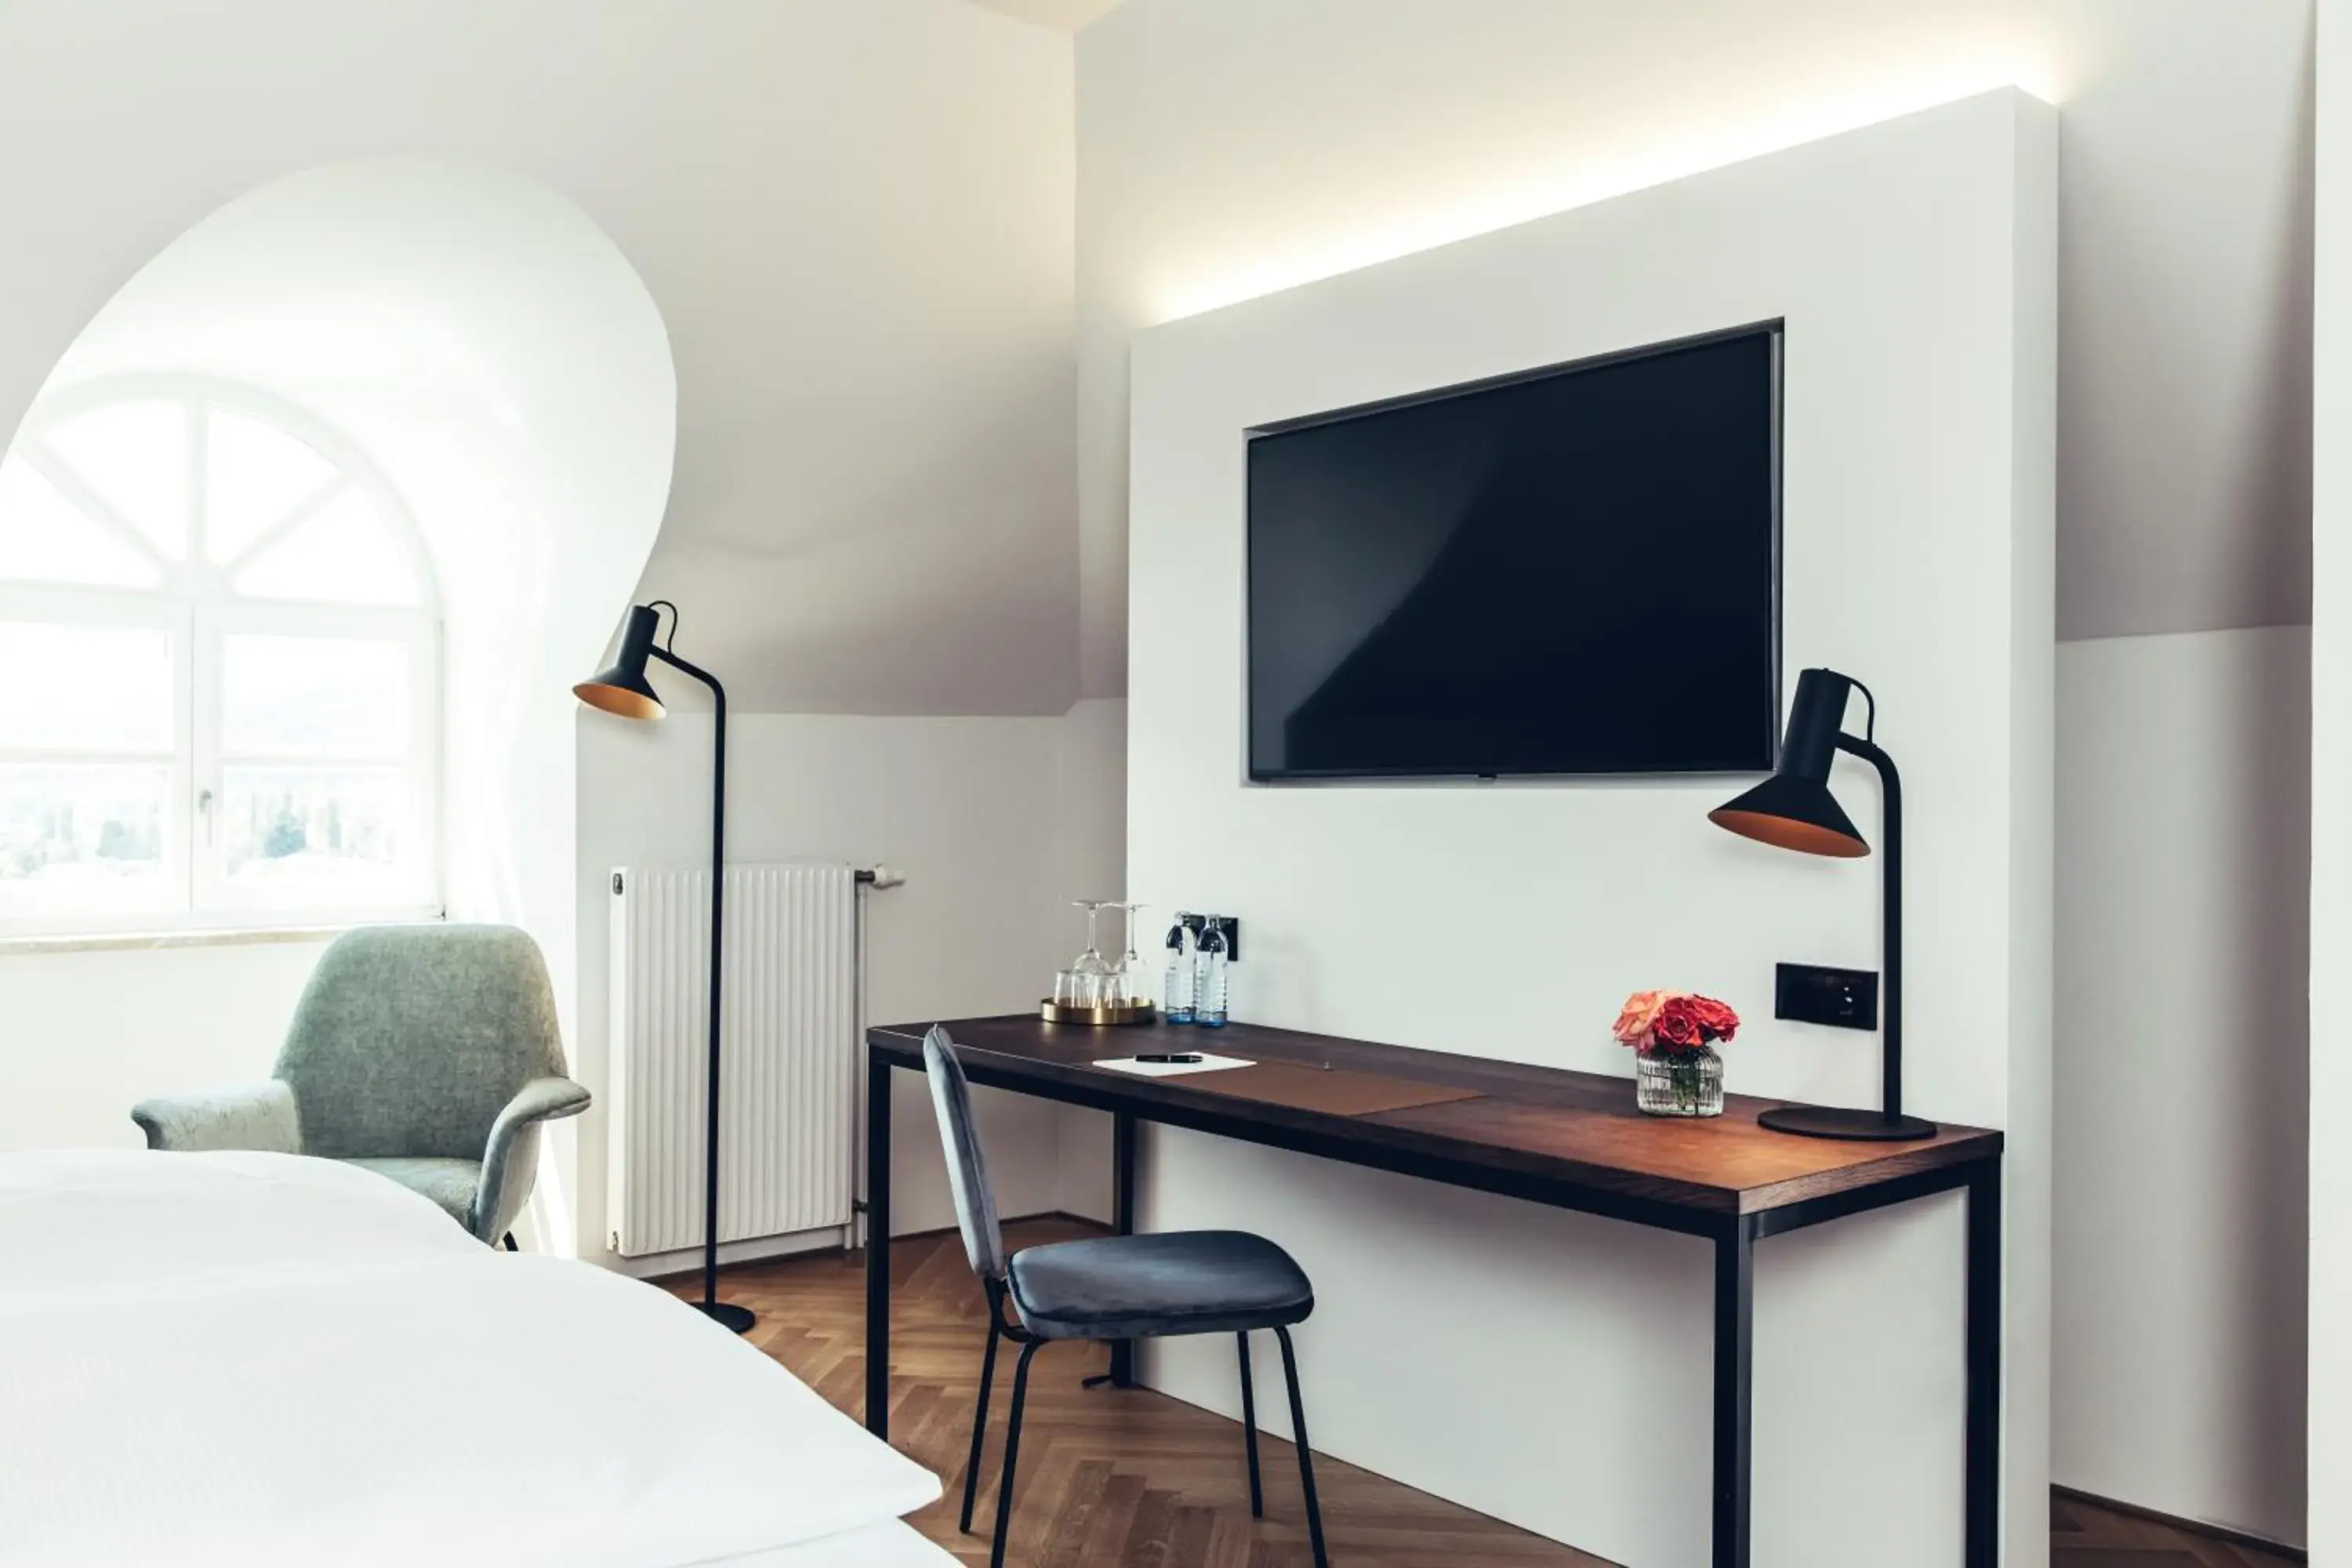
[1061, 1013]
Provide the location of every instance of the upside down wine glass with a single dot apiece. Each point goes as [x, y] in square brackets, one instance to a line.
[1092, 972]
[1127, 979]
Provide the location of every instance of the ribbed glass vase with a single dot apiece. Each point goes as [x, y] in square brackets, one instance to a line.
[1679, 1083]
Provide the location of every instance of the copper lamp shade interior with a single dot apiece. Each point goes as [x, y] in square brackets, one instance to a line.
[615, 693]
[1791, 812]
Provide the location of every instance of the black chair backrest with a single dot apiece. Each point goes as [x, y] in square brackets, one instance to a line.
[983, 1242]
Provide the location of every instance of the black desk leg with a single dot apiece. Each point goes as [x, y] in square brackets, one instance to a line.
[877, 1246]
[1122, 1219]
[1984, 1367]
[1734, 1358]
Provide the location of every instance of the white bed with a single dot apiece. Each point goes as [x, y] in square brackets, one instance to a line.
[249, 1361]
[894, 1544]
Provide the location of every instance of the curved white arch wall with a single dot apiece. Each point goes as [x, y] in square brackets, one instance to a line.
[495, 356]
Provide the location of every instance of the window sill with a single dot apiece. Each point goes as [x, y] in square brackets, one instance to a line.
[139, 942]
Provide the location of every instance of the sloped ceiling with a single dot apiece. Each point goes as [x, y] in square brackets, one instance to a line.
[855, 220]
[1068, 16]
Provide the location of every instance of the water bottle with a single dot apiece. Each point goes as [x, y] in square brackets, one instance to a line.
[1209, 1003]
[1176, 995]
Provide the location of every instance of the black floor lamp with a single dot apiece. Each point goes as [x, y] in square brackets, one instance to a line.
[1794, 809]
[623, 689]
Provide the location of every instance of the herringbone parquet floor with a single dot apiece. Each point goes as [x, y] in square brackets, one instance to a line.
[1130, 1478]
[2082, 1535]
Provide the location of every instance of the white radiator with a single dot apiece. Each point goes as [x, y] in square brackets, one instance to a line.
[788, 1054]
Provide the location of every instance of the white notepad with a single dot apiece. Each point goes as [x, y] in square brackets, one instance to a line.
[1171, 1069]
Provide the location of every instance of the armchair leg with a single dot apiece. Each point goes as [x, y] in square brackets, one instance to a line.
[1305, 1458]
[510, 1243]
[1249, 1429]
[979, 1426]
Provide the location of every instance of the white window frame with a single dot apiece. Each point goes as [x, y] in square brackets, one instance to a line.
[196, 603]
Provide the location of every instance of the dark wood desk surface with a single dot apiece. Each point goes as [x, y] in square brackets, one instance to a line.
[1550, 1124]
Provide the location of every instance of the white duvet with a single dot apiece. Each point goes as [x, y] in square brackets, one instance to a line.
[255, 1360]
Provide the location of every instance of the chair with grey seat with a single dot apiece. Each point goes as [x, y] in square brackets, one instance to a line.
[427, 1053]
[1111, 1288]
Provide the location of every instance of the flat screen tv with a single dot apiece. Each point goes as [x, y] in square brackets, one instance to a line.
[1571, 571]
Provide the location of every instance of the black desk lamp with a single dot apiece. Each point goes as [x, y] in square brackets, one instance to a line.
[623, 689]
[1793, 809]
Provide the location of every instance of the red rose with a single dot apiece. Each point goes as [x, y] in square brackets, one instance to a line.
[1678, 1028]
[1716, 1020]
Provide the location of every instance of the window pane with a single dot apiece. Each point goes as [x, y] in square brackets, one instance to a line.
[85, 689]
[255, 474]
[135, 455]
[304, 835]
[345, 553]
[297, 696]
[81, 839]
[43, 538]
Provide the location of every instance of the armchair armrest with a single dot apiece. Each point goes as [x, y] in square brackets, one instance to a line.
[247, 1116]
[514, 1138]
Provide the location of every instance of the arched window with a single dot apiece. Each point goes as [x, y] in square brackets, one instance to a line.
[219, 671]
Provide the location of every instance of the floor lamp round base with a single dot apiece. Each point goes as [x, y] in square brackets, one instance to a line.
[728, 1315]
[1827, 1121]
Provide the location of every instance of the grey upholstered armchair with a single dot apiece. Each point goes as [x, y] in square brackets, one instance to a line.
[426, 1053]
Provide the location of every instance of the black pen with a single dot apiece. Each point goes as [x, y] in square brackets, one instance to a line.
[1173, 1058]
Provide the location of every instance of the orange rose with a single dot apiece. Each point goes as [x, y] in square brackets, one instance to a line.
[1719, 1021]
[1640, 1016]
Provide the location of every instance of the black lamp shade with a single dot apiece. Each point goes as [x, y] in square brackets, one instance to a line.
[624, 689]
[1791, 813]
[1793, 809]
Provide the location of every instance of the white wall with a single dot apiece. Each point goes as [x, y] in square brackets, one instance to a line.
[1920, 362]
[973, 811]
[2330, 1454]
[1228, 148]
[2181, 1063]
[85, 1035]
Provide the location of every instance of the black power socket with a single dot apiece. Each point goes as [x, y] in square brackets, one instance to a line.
[1229, 924]
[1841, 998]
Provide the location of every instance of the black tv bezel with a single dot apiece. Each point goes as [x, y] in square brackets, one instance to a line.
[1775, 330]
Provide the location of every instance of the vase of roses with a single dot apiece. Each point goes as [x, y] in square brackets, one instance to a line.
[1677, 1069]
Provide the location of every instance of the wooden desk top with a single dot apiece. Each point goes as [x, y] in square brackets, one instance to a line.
[1546, 1124]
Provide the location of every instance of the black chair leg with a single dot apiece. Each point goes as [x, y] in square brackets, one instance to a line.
[1306, 1459]
[510, 1243]
[1249, 1429]
[979, 1428]
[1012, 1455]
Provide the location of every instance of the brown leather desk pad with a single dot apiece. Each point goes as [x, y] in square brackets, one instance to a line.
[1333, 1090]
